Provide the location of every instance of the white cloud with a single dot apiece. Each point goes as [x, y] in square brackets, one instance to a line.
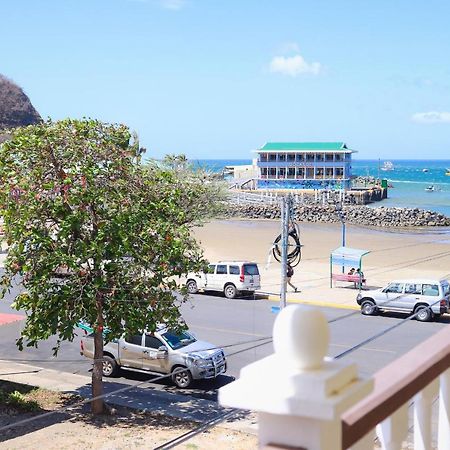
[174, 5]
[293, 66]
[431, 117]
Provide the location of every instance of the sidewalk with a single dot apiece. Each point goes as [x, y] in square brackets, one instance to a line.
[144, 398]
[313, 288]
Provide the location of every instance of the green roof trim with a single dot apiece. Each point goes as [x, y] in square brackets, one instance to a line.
[325, 146]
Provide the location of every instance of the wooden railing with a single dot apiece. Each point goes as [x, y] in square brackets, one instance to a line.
[419, 376]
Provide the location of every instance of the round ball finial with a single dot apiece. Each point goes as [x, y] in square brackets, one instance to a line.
[301, 336]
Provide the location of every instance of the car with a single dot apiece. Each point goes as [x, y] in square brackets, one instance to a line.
[230, 277]
[428, 298]
[161, 352]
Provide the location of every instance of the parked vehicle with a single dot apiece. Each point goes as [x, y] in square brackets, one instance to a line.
[428, 298]
[162, 352]
[230, 277]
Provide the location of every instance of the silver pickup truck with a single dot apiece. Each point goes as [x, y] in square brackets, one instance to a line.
[162, 352]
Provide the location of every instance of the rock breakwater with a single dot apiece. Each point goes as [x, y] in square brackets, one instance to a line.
[358, 215]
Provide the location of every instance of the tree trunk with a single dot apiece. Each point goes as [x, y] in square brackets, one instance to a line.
[97, 372]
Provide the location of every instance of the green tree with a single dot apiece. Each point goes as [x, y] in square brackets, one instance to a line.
[94, 234]
[176, 162]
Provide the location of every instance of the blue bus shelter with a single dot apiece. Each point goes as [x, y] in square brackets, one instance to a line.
[346, 257]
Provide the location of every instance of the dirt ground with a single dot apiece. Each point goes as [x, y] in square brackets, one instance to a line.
[78, 429]
[124, 433]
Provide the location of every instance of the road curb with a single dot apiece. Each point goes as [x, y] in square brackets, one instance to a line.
[274, 298]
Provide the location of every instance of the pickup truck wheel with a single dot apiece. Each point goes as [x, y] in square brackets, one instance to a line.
[230, 291]
[182, 378]
[109, 368]
[192, 287]
[423, 313]
[368, 308]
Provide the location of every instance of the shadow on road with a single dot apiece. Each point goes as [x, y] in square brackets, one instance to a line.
[243, 296]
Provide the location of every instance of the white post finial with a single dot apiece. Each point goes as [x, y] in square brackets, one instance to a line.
[298, 393]
[301, 337]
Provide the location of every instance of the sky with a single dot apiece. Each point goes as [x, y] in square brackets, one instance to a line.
[217, 79]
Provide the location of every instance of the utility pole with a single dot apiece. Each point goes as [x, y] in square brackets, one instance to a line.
[340, 213]
[285, 214]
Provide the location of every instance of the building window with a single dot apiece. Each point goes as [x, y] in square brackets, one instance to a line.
[291, 157]
[310, 173]
[263, 157]
[282, 157]
[310, 157]
[282, 172]
[272, 157]
[264, 172]
[291, 172]
[328, 157]
[300, 172]
[319, 172]
[300, 157]
[329, 172]
[319, 157]
[338, 157]
[339, 172]
[272, 172]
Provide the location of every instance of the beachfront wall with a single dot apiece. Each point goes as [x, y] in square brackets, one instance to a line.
[304, 165]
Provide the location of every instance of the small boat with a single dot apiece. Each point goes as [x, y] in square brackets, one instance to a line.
[387, 166]
[424, 170]
[447, 171]
[430, 188]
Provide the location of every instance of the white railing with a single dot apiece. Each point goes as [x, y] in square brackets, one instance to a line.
[271, 197]
[243, 197]
[307, 401]
[414, 381]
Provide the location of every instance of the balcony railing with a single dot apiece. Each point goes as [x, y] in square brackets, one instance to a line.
[419, 376]
[307, 402]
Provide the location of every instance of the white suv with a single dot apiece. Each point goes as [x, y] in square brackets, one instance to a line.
[428, 298]
[229, 277]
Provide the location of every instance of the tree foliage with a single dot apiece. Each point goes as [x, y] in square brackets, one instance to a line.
[94, 234]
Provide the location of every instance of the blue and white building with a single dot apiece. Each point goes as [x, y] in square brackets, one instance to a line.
[304, 165]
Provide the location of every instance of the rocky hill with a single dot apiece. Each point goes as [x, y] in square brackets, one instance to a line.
[16, 109]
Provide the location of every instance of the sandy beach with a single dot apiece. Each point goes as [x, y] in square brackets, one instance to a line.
[393, 255]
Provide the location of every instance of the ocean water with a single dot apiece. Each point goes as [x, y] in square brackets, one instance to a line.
[408, 179]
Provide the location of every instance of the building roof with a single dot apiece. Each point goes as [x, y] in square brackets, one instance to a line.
[347, 256]
[305, 146]
[351, 252]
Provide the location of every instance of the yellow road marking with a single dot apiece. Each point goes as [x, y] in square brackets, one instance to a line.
[274, 298]
[224, 330]
[365, 348]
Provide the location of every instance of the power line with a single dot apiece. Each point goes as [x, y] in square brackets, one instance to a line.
[23, 360]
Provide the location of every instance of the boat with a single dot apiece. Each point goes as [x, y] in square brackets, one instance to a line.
[430, 188]
[424, 170]
[387, 166]
[447, 171]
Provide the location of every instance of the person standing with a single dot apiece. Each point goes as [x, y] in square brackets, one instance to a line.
[289, 275]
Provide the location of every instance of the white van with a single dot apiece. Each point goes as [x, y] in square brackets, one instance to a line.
[427, 297]
[230, 277]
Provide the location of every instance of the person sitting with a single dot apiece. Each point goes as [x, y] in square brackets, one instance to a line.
[351, 271]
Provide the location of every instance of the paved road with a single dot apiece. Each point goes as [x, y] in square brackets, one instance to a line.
[226, 322]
